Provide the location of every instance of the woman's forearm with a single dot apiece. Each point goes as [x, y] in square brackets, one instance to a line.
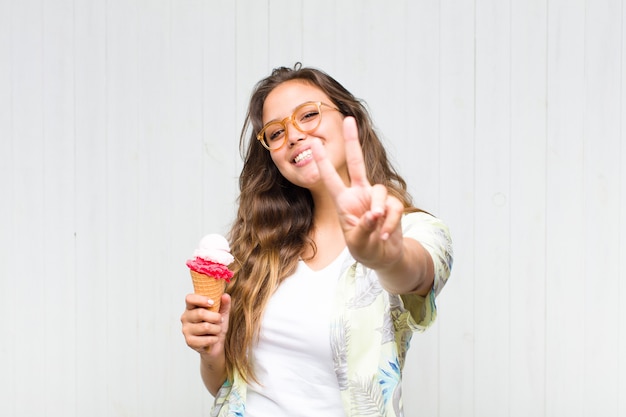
[413, 273]
[213, 372]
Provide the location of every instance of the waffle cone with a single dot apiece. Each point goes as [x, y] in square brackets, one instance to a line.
[210, 287]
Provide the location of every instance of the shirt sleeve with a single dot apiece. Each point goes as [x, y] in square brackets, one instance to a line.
[434, 236]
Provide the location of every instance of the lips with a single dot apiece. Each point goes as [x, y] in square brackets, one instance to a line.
[305, 154]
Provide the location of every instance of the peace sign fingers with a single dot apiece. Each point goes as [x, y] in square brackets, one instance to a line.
[354, 161]
[354, 154]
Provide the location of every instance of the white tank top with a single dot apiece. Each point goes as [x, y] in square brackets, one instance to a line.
[293, 360]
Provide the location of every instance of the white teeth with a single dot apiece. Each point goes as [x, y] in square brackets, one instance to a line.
[303, 155]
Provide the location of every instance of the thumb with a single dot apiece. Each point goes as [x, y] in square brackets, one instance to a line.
[225, 311]
[225, 305]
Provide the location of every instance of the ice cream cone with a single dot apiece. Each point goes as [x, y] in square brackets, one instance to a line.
[210, 287]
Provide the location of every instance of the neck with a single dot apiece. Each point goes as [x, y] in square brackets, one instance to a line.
[326, 233]
[325, 213]
[325, 208]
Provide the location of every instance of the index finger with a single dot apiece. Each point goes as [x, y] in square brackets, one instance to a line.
[354, 153]
[327, 171]
[196, 300]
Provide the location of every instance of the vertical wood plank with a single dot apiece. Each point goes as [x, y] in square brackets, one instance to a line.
[351, 56]
[419, 145]
[456, 202]
[251, 51]
[206, 186]
[285, 32]
[252, 61]
[122, 207]
[181, 150]
[417, 151]
[7, 215]
[90, 207]
[203, 154]
[565, 250]
[58, 198]
[155, 171]
[380, 32]
[350, 59]
[223, 107]
[621, 360]
[492, 156]
[320, 45]
[528, 202]
[365, 30]
[28, 187]
[601, 167]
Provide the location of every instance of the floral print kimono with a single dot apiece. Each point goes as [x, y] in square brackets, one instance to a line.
[370, 330]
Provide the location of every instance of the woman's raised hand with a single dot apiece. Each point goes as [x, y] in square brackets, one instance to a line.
[369, 216]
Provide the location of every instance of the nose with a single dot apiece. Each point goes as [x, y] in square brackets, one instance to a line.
[293, 134]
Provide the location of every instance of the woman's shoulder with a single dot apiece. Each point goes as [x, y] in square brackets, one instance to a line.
[422, 217]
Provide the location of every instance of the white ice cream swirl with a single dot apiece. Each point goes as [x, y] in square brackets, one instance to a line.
[214, 248]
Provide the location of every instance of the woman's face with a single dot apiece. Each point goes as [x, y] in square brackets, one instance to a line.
[294, 159]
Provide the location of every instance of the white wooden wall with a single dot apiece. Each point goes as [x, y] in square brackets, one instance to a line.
[119, 122]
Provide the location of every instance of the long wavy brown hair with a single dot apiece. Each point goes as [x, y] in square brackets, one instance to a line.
[275, 218]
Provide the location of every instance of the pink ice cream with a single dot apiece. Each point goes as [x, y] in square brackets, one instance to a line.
[212, 257]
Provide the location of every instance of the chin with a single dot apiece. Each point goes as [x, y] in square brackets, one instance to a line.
[306, 180]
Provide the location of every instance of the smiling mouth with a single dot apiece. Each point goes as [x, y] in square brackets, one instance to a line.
[303, 155]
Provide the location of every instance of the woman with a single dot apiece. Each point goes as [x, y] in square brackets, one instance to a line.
[335, 267]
